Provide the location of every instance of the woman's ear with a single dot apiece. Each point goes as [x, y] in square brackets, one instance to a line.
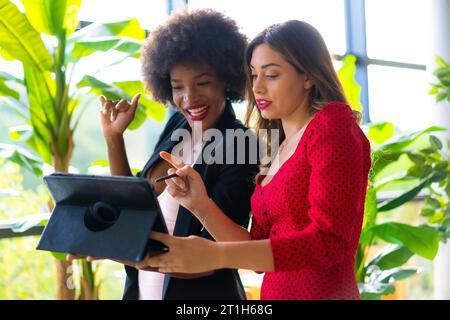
[309, 82]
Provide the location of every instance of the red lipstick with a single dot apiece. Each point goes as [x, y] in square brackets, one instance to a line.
[197, 112]
[263, 103]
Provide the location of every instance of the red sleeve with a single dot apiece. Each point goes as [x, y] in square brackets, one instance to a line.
[258, 232]
[336, 154]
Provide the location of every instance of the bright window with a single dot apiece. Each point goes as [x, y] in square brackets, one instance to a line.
[400, 96]
[149, 13]
[397, 30]
[255, 15]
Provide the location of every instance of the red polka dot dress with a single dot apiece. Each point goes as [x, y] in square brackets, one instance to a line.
[312, 210]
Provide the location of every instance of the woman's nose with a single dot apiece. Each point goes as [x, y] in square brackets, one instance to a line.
[189, 96]
[258, 86]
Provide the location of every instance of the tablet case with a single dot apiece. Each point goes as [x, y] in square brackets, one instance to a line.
[107, 217]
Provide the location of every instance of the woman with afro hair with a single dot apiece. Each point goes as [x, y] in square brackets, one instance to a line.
[193, 62]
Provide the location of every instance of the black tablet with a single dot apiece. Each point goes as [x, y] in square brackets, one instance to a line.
[102, 216]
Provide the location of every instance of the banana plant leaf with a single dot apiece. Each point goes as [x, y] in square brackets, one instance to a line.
[53, 17]
[22, 157]
[85, 48]
[392, 256]
[421, 240]
[43, 116]
[15, 105]
[19, 40]
[380, 132]
[380, 282]
[405, 197]
[127, 28]
[346, 76]
[402, 142]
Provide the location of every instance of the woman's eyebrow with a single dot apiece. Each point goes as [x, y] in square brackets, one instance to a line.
[204, 74]
[195, 77]
[267, 65]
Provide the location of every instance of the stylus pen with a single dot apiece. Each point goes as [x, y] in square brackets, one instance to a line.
[166, 177]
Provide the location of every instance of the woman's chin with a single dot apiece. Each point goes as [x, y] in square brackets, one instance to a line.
[267, 115]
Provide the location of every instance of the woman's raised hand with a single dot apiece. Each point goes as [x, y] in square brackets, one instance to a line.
[188, 188]
[116, 116]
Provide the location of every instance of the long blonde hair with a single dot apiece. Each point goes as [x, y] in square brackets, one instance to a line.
[301, 45]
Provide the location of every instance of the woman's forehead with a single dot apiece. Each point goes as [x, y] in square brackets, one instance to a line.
[263, 56]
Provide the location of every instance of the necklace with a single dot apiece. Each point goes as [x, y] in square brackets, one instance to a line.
[289, 139]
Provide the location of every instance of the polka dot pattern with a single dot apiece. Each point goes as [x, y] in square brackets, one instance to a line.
[312, 210]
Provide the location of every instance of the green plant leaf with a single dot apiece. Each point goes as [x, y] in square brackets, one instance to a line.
[396, 183]
[427, 212]
[418, 159]
[59, 255]
[366, 295]
[431, 202]
[22, 157]
[441, 96]
[43, 115]
[373, 288]
[20, 40]
[420, 240]
[5, 76]
[420, 171]
[100, 162]
[437, 218]
[381, 159]
[442, 166]
[21, 133]
[375, 293]
[397, 274]
[15, 105]
[446, 224]
[405, 197]
[447, 188]
[400, 143]
[346, 75]
[11, 89]
[380, 132]
[53, 17]
[85, 48]
[391, 257]
[127, 28]
[441, 62]
[442, 74]
[433, 90]
[370, 216]
[5, 90]
[435, 142]
[370, 208]
[109, 91]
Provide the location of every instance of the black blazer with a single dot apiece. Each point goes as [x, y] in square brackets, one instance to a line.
[230, 186]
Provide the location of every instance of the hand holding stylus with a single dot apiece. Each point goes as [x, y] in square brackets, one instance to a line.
[187, 187]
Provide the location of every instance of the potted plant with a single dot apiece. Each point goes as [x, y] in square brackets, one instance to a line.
[45, 41]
